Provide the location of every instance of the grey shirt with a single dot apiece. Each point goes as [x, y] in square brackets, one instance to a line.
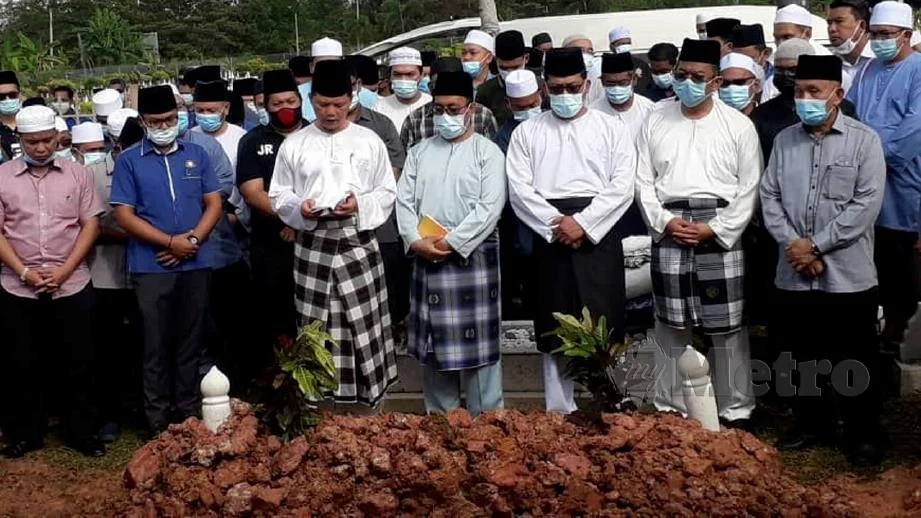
[829, 189]
[383, 126]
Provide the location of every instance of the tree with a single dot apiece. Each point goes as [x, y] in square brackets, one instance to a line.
[21, 54]
[110, 40]
[489, 18]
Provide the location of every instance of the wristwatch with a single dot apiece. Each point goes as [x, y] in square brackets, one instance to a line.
[194, 239]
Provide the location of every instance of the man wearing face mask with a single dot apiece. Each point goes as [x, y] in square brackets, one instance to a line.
[366, 68]
[405, 73]
[662, 60]
[821, 194]
[334, 184]
[748, 40]
[479, 49]
[272, 242]
[522, 94]
[719, 30]
[324, 49]
[458, 180]
[10, 103]
[420, 124]
[63, 104]
[246, 89]
[618, 76]
[621, 42]
[794, 21]
[592, 64]
[847, 30]
[741, 85]
[887, 94]
[428, 58]
[511, 55]
[168, 200]
[701, 24]
[571, 178]
[697, 181]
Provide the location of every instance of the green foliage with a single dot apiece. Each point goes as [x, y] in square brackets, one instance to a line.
[22, 54]
[109, 40]
[303, 372]
[593, 358]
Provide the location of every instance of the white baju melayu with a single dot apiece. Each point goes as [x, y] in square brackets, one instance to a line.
[850, 71]
[714, 161]
[632, 118]
[582, 167]
[397, 111]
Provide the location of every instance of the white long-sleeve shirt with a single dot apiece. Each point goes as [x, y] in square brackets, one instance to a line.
[717, 156]
[326, 168]
[632, 118]
[550, 158]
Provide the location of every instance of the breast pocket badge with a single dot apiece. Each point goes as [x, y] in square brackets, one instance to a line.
[190, 169]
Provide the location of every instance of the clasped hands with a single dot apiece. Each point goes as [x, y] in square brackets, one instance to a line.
[47, 279]
[179, 249]
[802, 258]
[346, 208]
[434, 249]
[567, 230]
[688, 233]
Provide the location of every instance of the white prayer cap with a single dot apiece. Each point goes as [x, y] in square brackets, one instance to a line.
[481, 39]
[105, 102]
[520, 83]
[116, 121]
[736, 60]
[326, 47]
[618, 33]
[703, 18]
[915, 38]
[87, 132]
[60, 124]
[794, 14]
[405, 56]
[793, 49]
[36, 118]
[574, 38]
[891, 13]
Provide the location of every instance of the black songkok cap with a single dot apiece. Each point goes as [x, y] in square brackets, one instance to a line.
[454, 83]
[428, 57]
[131, 134]
[540, 39]
[510, 45]
[331, 79]
[185, 75]
[257, 87]
[721, 27]
[535, 59]
[300, 66]
[364, 68]
[274, 81]
[700, 51]
[210, 92]
[819, 67]
[747, 36]
[8, 77]
[562, 62]
[206, 73]
[612, 63]
[245, 87]
[156, 100]
[446, 64]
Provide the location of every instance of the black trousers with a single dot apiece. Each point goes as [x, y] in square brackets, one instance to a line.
[174, 313]
[273, 281]
[398, 275]
[898, 274]
[230, 340]
[839, 329]
[48, 339]
[116, 329]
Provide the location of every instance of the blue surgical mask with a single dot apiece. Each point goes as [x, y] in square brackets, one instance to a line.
[31, 161]
[812, 112]
[163, 137]
[263, 116]
[886, 50]
[94, 157]
[64, 154]
[188, 99]
[618, 94]
[566, 106]
[404, 88]
[209, 122]
[472, 68]
[449, 127]
[663, 80]
[183, 122]
[690, 92]
[524, 115]
[737, 96]
[367, 98]
[424, 85]
[10, 106]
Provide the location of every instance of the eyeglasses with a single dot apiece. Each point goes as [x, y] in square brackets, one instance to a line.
[451, 110]
[884, 35]
[622, 82]
[9, 95]
[166, 123]
[697, 78]
[738, 82]
[571, 88]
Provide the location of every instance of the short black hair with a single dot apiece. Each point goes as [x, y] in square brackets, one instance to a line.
[63, 88]
[860, 8]
[663, 52]
[34, 101]
[117, 81]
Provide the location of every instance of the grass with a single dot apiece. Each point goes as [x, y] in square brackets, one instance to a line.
[118, 454]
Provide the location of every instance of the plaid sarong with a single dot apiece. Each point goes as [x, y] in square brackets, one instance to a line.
[455, 310]
[339, 279]
[698, 286]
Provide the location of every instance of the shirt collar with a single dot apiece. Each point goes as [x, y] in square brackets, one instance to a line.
[148, 147]
[836, 127]
[23, 166]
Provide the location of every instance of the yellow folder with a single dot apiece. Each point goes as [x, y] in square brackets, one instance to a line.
[429, 227]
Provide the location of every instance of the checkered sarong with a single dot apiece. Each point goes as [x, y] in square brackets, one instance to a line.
[339, 279]
[698, 286]
[455, 316]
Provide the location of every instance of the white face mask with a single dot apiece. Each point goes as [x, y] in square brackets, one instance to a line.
[849, 45]
[623, 49]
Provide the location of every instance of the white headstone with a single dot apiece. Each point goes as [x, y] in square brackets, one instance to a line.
[215, 402]
[699, 399]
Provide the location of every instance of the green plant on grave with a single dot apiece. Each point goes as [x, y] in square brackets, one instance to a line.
[304, 370]
[593, 359]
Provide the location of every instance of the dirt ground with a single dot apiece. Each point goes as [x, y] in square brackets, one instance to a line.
[502, 464]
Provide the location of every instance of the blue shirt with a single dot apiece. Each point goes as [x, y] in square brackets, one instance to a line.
[888, 99]
[505, 134]
[228, 249]
[306, 105]
[165, 191]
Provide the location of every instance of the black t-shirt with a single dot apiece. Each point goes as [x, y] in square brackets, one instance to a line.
[9, 139]
[256, 159]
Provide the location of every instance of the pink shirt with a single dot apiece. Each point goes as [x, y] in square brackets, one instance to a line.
[41, 217]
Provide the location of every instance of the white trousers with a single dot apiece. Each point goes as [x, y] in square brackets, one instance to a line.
[559, 391]
[730, 372]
